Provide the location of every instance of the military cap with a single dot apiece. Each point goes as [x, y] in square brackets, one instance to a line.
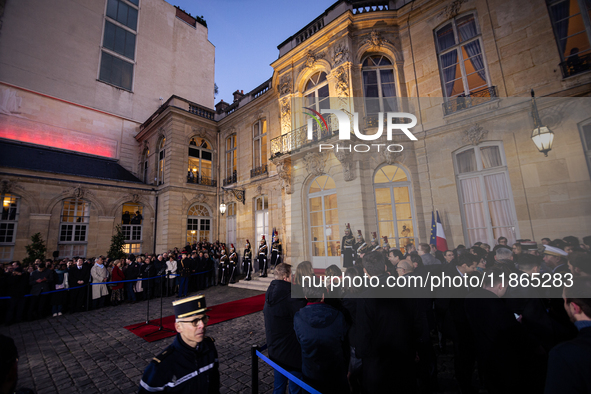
[189, 306]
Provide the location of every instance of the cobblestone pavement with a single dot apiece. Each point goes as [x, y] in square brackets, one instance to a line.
[91, 352]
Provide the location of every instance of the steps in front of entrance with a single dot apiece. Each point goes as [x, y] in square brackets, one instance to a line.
[256, 283]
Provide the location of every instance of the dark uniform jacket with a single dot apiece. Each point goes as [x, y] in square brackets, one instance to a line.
[183, 369]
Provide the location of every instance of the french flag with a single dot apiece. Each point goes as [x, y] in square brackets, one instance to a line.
[437, 234]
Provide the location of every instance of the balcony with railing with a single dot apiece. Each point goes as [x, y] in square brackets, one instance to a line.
[201, 180]
[259, 171]
[231, 179]
[576, 64]
[298, 138]
[462, 102]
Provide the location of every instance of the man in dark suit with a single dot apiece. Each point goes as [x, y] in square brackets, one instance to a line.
[509, 360]
[570, 362]
[78, 275]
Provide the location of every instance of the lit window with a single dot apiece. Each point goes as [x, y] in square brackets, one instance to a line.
[132, 220]
[198, 224]
[259, 131]
[572, 29]
[394, 208]
[488, 211]
[73, 237]
[461, 61]
[8, 223]
[200, 162]
[231, 160]
[261, 218]
[324, 222]
[231, 224]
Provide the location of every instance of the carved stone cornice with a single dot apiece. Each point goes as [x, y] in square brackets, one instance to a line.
[345, 157]
[474, 135]
[284, 172]
[285, 85]
[315, 162]
[375, 40]
[340, 54]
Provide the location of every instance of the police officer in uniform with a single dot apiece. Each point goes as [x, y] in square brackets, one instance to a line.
[347, 247]
[263, 257]
[224, 265]
[233, 263]
[190, 364]
[247, 261]
[276, 250]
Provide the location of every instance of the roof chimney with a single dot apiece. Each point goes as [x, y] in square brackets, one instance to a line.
[221, 107]
[238, 95]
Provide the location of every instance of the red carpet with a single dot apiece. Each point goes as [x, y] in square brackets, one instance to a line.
[217, 314]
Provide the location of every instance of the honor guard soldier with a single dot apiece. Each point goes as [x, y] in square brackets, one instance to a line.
[233, 263]
[263, 257]
[360, 241]
[385, 245]
[361, 251]
[190, 364]
[375, 245]
[247, 261]
[276, 250]
[224, 265]
[347, 247]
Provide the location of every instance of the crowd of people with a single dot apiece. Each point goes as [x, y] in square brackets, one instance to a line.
[52, 288]
[508, 337]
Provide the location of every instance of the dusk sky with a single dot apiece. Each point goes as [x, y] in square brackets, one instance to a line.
[246, 34]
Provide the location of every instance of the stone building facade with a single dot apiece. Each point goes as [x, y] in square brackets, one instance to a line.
[464, 68]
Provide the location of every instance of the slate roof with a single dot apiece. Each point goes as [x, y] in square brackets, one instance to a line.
[44, 159]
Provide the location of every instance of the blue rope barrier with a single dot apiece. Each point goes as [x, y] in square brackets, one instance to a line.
[102, 283]
[287, 374]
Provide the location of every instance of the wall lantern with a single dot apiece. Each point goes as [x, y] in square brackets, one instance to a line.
[541, 135]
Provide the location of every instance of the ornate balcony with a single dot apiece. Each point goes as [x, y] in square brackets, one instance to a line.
[298, 138]
[575, 65]
[201, 180]
[259, 171]
[231, 179]
[474, 99]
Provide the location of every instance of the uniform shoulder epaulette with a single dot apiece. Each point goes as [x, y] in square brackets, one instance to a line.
[162, 356]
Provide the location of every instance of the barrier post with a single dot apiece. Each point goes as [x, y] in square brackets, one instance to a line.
[254, 369]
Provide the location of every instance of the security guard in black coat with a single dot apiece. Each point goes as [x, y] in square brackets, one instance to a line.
[190, 364]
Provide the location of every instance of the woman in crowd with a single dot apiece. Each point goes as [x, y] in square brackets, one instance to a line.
[59, 299]
[117, 288]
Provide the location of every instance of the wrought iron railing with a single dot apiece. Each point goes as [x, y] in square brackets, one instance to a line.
[259, 171]
[576, 64]
[298, 138]
[474, 99]
[201, 180]
[231, 179]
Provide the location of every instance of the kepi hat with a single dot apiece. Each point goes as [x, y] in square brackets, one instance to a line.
[190, 306]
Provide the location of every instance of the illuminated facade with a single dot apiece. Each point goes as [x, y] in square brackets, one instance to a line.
[464, 68]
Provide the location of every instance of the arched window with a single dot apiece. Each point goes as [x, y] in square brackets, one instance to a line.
[259, 147]
[486, 199]
[161, 159]
[8, 222]
[74, 228]
[379, 86]
[198, 224]
[132, 220]
[200, 160]
[231, 224]
[394, 208]
[144, 169]
[261, 218]
[324, 222]
[461, 62]
[231, 160]
[316, 92]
